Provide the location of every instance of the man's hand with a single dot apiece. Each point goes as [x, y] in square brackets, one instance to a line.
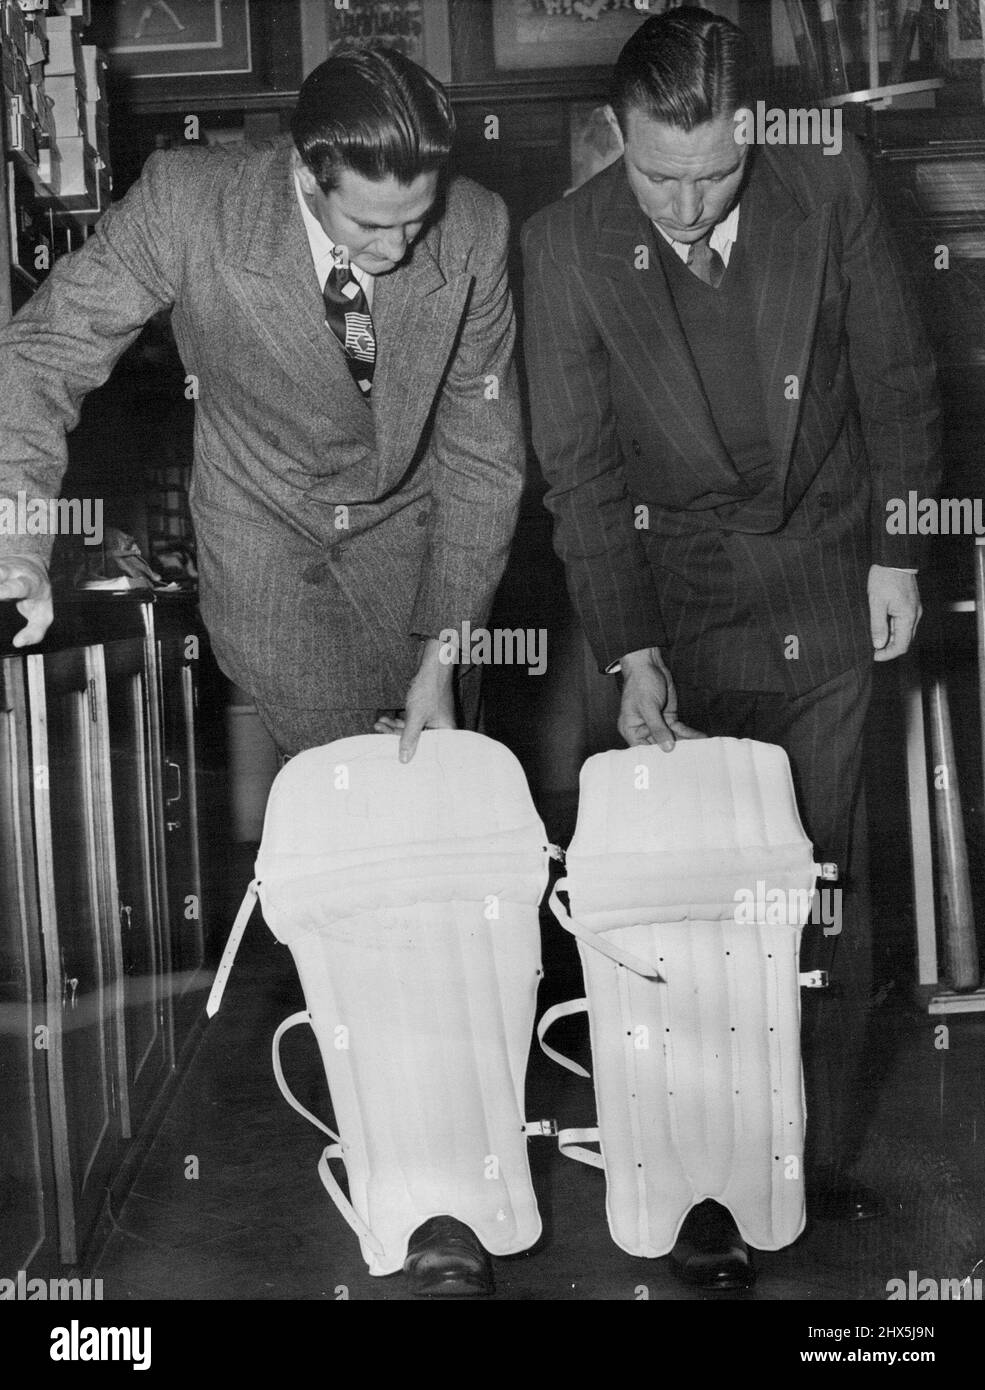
[25, 577]
[648, 713]
[894, 611]
[430, 701]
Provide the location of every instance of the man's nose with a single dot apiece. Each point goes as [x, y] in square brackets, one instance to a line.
[395, 243]
[687, 208]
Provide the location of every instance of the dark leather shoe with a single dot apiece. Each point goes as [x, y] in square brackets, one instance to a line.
[835, 1197]
[445, 1259]
[710, 1253]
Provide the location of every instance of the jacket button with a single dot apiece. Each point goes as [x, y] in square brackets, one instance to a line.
[637, 448]
[339, 553]
[315, 574]
[422, 518]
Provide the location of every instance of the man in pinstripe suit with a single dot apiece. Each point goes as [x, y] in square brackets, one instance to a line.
[728, 382]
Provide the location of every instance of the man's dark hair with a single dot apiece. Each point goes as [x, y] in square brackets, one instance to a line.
[683, 67]
[369, 109]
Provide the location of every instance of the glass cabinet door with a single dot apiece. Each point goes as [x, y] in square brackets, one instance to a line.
[27, 1224]
[81, 943]
[128, 812]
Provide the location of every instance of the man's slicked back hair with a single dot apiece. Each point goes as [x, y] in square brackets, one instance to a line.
[683, 68]
[369, 109]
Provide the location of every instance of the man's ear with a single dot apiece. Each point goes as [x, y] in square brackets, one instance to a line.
[307, 180]
[613, 122]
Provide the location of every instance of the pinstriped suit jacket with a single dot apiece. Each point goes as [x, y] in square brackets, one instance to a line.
[663, 542]
[331, 534]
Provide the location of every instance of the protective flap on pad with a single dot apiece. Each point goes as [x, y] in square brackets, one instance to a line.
[688, 835]
[349, 829]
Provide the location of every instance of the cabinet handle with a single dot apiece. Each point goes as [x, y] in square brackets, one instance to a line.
[177, 771]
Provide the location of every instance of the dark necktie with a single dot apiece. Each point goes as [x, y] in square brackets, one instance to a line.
[347, 314]
[705, 263]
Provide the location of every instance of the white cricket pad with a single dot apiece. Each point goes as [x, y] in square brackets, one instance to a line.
[691, 872]
[408, 895]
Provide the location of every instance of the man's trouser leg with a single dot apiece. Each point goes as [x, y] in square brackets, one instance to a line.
[294, 729]
[822, 735]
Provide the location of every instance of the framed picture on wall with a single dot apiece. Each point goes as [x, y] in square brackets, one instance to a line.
[179, 38]
[566, 33]
[418, 28]
[166, 54]
[965, 27]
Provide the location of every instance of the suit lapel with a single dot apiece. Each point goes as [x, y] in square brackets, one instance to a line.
[416, 314]
[786, 260]
[649, 339]
[286, 301]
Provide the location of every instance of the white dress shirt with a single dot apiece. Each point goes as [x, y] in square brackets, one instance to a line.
[722, 239]
[323, 248]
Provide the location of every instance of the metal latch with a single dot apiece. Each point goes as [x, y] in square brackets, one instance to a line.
[814, 979]
[537, 1128]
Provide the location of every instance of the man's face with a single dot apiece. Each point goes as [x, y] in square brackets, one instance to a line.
[684, 180]
[376, 219]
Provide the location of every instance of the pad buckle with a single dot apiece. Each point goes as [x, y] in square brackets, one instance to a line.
[827, 870]
[540, 1128]
[814, 979]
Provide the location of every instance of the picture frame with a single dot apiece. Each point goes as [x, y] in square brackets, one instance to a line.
[234, 50]
[180, 38]
[567, 33]
[965, 30]
[419, 28]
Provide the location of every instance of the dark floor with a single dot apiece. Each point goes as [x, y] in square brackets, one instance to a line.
[257, 1224]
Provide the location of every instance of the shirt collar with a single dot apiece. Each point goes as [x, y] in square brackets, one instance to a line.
[722, 239]
[322, 245]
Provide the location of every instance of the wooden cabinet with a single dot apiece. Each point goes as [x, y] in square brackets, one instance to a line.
[102, 943]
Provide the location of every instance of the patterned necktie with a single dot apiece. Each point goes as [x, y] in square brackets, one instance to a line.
[347, 314]
[705, 263]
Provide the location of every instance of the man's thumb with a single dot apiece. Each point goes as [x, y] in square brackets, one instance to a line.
[659, 731]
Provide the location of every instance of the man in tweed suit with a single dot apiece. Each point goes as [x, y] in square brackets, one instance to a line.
[728, 383]
[338, 533]
[343, 309]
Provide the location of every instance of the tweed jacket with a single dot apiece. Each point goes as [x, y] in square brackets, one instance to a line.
[332, 533]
